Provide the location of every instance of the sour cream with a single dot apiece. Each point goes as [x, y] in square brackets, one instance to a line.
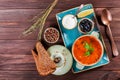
[69, 21]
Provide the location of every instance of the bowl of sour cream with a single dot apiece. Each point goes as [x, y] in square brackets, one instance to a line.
[69, 21]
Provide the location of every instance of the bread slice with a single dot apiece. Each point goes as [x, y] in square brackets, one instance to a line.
[44, 64]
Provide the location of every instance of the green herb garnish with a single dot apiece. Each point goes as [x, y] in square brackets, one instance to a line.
[87, 53]
[89, 49]
[87, 46]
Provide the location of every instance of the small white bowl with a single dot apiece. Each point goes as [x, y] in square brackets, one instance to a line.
[69, 21]
[66, 60]
[51, 36]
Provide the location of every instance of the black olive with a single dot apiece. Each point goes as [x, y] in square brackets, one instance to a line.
[85, 25]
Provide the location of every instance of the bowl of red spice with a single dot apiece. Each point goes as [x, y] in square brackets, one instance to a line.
[51, 35]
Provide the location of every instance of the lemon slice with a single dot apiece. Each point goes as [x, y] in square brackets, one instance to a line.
[85, 13]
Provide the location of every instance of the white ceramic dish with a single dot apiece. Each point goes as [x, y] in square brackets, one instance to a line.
[65, 61]
[69, 21]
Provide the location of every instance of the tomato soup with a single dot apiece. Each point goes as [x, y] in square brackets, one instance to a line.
[87, 50]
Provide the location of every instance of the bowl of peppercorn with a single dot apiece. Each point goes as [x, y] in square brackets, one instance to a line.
[85, 25]
[51, 35]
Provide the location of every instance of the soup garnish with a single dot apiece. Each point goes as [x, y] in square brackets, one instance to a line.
[89, 48]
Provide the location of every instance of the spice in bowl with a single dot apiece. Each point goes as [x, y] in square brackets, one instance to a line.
[51, 35]
[85, 25]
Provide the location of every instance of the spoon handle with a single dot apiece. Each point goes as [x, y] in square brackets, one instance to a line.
[114, 48]
[79, 8]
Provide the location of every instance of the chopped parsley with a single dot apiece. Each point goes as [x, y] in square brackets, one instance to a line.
[89, 48]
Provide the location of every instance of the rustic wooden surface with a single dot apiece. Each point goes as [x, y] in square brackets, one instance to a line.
[16, 61]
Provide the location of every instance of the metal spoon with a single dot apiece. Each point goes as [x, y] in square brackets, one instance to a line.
[106, 18]
[79, 8]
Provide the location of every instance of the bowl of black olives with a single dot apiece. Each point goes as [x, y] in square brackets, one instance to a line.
[85, 25]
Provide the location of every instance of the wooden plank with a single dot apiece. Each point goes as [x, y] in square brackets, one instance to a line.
[17, 62]
[16, 55]
[13, 31]
[26, 15]
[18, 47]
[15, 15]
[20, 75]
[10, 4]
[33, 75]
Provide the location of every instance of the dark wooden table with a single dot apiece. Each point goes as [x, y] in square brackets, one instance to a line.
[16, 61]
